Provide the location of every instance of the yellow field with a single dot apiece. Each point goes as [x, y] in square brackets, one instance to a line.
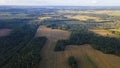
[108, 12]
[104, 32]
[85, 18]
[115, 30]
[43, 18]
[86, 56]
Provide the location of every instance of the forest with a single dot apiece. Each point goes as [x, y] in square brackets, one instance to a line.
[20, 49]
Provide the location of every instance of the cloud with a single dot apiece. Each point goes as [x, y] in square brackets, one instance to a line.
[94, 1]
[2, 1]
[61, 2]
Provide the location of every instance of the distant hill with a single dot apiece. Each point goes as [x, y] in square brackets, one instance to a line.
[64, 7]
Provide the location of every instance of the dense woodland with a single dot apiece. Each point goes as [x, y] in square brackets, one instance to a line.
[19, 49]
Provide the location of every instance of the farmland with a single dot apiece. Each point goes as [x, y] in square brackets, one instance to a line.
[104, 32]
[5, 32]
[98, 59]
[87, 57]
[91, 42]
[85, 18]
[49, 57]
[59, 37]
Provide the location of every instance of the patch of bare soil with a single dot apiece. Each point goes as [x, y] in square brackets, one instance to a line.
[5, 32]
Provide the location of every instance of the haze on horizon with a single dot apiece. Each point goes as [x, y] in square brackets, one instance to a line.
[61, 2]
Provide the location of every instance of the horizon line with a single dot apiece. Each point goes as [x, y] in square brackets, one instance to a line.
[65, 5]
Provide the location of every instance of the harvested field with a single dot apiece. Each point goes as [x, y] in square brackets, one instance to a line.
[51, 59]
[5, 32]
[53, 34]
[85, 18]
[43, 18]
[118, 30]
[86, 56]
[103, 32]
[99, 59]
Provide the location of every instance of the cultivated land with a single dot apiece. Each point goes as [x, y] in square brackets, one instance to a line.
[21, 25]
[51, 59]
[86, 56]
[85, 18]
[98, 59]
[103, 32]
[5, 32]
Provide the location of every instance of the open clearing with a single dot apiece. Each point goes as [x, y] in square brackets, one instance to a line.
[5, 32]
[86, 56]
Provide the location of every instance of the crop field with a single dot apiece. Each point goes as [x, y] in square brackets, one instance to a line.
[87, 57]
[43, 18]
[85, 18]
[103, 24]
[59, 37]
[111, 13]
[90, 58]
[54, 34]
[51, 59]
[103, 32]
[5, 32]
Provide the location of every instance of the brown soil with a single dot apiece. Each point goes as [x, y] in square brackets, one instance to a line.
[51, 59]
[5, 32]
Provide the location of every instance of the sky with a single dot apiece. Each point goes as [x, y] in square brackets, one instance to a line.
[61, 2]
